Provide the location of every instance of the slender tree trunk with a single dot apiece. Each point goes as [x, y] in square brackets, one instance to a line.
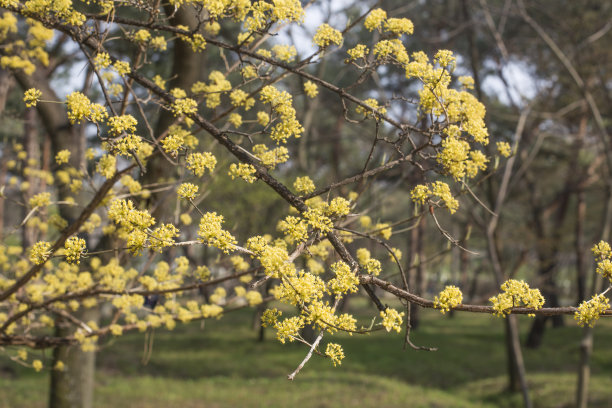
[5, 84]
[581, 267]
[73, 387]
[416, 269]
[584, 368]
[32, 148]
[586, 344]
[187, 68]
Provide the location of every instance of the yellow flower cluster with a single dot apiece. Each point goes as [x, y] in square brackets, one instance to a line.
[263, 12]
[107, 166]
[212, 233]
[422, 193]
[372, 103]
[449, 298]
[345, 281]
[318, 220]
[391, 50]
[371, 265]
[457, 159]
[218, 85]
[40, 252]
[31, 97]
[133, 186]
[446, 59]
[338, 207]
[516, 293]
[122, 67]
[304, 185]
[60, 9]
[294, 228]
[310, 88]
[357, 52]
[504, 149]
[300, 289]
[240, 98]
[285, 53]
[377, 20]
[118, 125]
[281, 102]
[133, 221]
[335, 353]
[15, 62]
[62, 156]
[399, 26]
[172, 143]
[289, 328]
[383, 230]
[602, 250]
[199, 162]
[244, 171]
[392, 319]
[187, 191]
[163, 236]
[271, 158]
[74, 248]
[327, 35]
[253, 298]
[79, 107]
[235, 119]
[184, 106]
[589, 311]
[40, 200]
[603, 254]
[141, 36]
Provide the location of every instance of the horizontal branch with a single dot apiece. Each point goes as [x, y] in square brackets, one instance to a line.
[400, 293]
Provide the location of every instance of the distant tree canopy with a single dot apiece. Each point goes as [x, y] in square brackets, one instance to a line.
[219, 154]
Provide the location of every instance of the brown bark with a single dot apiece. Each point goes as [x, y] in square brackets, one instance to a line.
[416, 271]
[586, 343]
[32, 148]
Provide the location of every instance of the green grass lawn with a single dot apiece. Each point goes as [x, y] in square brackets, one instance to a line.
[220, 364]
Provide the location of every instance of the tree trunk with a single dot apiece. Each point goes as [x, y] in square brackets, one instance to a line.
[416, 270]
[73, 387]
[518, 376]
[32, 148]
[586, 344]
[187, 68]
[584, 368]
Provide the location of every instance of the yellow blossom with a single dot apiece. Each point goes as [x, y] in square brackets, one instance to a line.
[31, 97]
[589, 311]
[326, 35]
[74, 248]
[244, 171]
[375, 19]
[311, 89]
[199, 162]
[449, 298]
[304, 185]
[40, 252]
[504, 149]
[40, 200]
[335, 353]
[392, 319]
[187, 191]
